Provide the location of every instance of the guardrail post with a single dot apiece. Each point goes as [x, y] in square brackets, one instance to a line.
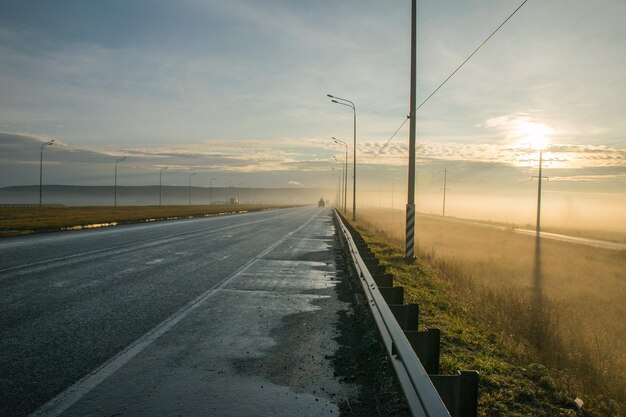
[427, 347]
[392, 295]
[458, 392]
[370, 260]
[383, 280]
[377, 269]
[407, 315]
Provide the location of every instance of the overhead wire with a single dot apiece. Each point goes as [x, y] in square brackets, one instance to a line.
[448, 78]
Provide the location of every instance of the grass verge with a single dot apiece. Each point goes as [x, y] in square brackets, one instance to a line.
[510, 383]
[16, 221]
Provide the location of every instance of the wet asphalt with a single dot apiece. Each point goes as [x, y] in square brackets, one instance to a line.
[227, 316]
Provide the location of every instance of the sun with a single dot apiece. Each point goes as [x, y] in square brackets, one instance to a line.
[534, 134]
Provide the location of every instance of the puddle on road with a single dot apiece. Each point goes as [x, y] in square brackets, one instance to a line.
[285, 276]
[271, 355]
[89, 226]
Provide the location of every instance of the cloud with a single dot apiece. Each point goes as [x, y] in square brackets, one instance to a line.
[591, 178]
[555, 156]
[67, 163]
[248, 156]
[519, 127]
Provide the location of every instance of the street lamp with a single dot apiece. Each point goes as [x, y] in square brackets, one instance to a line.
[43, 145]
[189, 189]
[161, 183]
[115, 187]
[345, 179]
[210, 187]
[341, 184]
[348, 103]
[332, 172]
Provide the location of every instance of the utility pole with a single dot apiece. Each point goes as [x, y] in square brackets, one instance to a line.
[409, 253]
[445, 183]
[537, 307]
[540, 179]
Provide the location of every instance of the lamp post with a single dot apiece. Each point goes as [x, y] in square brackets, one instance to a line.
[343, 173]
[117, 161]
[189, 188]
[43, 145]
[210, 187]
[161, 183]
[332, 172]
[348, 103]
[345, 179]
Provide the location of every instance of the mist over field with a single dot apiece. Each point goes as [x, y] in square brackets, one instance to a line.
[563, 210]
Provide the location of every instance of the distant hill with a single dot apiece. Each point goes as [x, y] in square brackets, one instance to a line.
[78, 195]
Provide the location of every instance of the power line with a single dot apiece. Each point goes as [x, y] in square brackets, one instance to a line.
[450, 76]
[388, 140]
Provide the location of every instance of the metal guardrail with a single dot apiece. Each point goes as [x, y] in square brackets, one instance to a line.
[421, 395]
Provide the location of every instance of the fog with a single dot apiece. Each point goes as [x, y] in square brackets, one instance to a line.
[170, 195]
[559, 209]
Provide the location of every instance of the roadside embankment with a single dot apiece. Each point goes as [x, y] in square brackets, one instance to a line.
[513, 382]
[15, 221]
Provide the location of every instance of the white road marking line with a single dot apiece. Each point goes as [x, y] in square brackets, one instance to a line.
[63, 258]
[82, 387]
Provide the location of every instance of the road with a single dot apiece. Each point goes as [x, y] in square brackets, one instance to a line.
[231, 315]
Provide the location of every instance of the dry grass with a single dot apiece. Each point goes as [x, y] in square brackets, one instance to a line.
[569, 317]
[26, 220]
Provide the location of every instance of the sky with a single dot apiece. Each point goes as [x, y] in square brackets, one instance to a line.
[236, 90]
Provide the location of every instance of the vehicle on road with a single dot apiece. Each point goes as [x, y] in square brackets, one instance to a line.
[321, 203]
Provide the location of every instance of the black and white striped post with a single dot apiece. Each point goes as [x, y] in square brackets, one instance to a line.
[410, 233]
[409, 253]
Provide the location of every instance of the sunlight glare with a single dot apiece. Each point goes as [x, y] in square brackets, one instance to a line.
[535, 134]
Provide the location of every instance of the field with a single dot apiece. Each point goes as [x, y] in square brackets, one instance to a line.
[564, 308]
[25, 220]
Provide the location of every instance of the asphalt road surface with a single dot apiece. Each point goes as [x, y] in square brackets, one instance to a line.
[226, 316]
